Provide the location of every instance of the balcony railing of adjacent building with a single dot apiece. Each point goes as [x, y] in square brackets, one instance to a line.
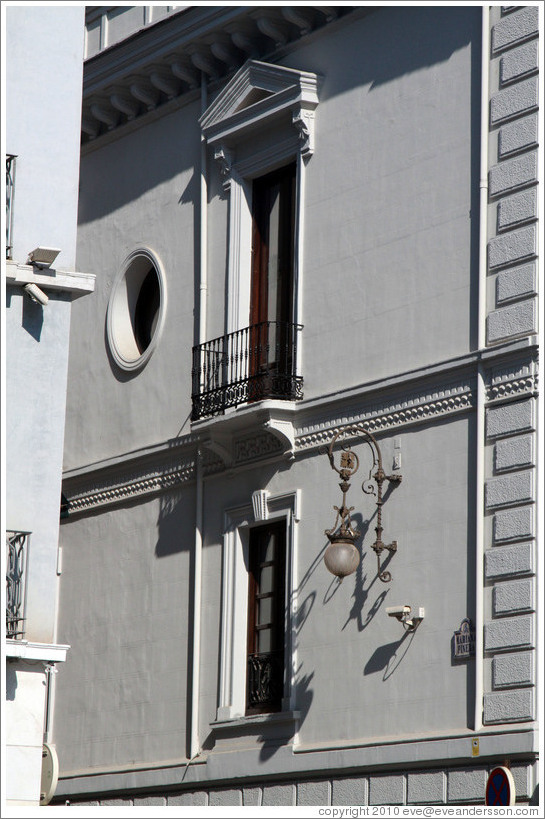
[16, 575]
[248, 365]
[10, 191]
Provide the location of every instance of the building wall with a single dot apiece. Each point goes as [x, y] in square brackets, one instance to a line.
[44, 52]
[140, 191]
[390, 288]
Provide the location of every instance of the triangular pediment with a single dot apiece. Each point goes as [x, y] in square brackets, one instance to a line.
[257, 91]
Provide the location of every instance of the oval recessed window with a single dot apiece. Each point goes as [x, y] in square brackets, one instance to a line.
[136, 310]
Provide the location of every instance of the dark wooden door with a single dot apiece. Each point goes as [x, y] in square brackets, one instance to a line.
[271, 306]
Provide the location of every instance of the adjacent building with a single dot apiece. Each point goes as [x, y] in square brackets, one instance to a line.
[43, 113]
[314, 235]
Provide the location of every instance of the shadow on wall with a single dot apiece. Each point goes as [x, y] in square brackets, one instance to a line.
[11, 682]
[387, 44]
[395, 41]
[127, 168]
[389, 656]
[170, 525]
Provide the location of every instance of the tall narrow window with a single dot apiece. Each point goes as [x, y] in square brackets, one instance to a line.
[266, 616]
[271, 305]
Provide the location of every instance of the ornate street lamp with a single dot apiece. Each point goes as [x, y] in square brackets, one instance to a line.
[341, 556]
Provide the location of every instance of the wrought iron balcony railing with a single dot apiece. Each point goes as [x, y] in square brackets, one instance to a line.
[10, 190]
[16, 575]
[248, 365]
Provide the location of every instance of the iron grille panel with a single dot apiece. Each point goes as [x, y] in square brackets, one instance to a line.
[16, 574]
[265, 680]
[248, 365]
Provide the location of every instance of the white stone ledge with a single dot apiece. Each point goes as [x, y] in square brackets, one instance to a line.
[79, 284]
[46, 652]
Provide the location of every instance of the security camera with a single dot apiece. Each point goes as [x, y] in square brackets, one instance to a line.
[38, 296]
[403, 614]
[398, 611]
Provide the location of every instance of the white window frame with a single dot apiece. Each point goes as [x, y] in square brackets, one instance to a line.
[286, 112]
[234, 598]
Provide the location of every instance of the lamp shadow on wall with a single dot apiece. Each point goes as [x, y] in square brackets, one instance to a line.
[389, 656]
[361, 592]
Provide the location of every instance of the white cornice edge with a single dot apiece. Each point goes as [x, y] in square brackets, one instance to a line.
[79, 284]
[45, 652]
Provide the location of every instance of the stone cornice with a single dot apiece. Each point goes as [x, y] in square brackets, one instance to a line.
[165, 61]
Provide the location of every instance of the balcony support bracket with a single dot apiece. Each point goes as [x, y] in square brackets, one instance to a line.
[284, 431]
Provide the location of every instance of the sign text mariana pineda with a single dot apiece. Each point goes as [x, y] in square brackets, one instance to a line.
[464, 640]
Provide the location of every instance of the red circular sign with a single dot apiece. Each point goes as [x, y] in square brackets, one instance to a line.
[500, 787]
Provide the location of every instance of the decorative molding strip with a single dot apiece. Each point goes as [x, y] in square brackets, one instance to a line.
[116, 489]
[415, 408]
[168, 467]
[512, 380]
[255, 447]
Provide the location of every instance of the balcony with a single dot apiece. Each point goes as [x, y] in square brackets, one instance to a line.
[249, 365]
[10, 190]
[16, 575]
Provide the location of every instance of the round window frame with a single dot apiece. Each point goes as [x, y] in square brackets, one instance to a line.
[118, 319]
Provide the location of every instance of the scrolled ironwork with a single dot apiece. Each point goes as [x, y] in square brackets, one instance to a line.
[343, 532]
[17, 557]
[265, 679]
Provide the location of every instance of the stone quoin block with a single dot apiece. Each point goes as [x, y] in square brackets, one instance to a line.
[513, 670]
[426, 788]
[509, 706]
[522, 774]
[144, 801]
[516, 283]
[466, 785]
[93, 804]
[510, 419]
[278, 795]
[514, 100]
[224, 798]
[192, 798]
[519, 62]
[514, 524]
[512, 598]
[515, 632]
[512, 247]
[516, 320]
[251, 796]
[509, 489]
[351, 790]
[313, 793]
[515, 28]
[386, 790]
[516, 209]
[116, 802]
[518, 135]
[505, 561]
[513, 173]
[514, 453]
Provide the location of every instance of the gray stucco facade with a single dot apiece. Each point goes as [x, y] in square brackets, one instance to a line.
[415, 285]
